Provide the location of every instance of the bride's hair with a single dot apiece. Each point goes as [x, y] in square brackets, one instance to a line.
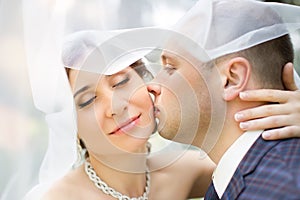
[139, 67]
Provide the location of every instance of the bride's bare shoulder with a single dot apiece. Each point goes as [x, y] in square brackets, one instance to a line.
[68, 187]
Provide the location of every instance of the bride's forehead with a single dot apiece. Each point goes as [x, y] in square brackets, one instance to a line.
[83, 75]
[79, 77]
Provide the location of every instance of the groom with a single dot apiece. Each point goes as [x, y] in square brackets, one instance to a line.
[248, 166]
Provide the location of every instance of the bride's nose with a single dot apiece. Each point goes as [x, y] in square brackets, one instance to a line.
[116, 105]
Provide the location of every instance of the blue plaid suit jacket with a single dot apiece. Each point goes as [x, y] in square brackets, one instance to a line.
[269, 170]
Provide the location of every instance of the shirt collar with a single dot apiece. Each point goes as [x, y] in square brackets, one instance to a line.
[231, 159]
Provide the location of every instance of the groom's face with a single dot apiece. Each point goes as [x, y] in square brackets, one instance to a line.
[182, 99]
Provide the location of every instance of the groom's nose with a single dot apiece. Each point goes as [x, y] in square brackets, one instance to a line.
[154, 89]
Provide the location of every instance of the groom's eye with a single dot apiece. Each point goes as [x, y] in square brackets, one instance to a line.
[169, 69]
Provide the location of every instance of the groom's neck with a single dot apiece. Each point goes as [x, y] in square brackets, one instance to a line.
[231, 130]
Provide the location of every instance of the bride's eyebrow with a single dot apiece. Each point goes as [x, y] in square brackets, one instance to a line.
[81, 90]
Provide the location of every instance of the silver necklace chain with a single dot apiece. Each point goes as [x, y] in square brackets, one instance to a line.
[110, 191]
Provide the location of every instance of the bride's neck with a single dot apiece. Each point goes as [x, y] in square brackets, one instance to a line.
[125, 173]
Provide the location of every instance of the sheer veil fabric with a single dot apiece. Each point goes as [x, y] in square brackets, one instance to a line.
[47, 37]
[54, 41]
[225, 28]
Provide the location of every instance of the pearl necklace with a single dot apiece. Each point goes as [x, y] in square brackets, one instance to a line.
[110, 191]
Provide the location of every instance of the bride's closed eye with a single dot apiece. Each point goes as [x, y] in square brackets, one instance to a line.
[87, 102]
[119, 80]
[84, 96]
[89, 97]
[85, 99]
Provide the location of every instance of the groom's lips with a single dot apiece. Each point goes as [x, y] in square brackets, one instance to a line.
[156, 111]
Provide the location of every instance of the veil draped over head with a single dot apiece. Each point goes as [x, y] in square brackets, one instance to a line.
[228, 26]
[62, 34]
[51, 27]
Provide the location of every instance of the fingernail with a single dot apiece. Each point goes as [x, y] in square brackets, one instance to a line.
[244, 125]
[243, 95]
[238, 116]
[266, 135]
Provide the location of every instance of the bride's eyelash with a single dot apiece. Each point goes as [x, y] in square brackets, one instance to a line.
[121, 82]
[82, 105]
[91, 100]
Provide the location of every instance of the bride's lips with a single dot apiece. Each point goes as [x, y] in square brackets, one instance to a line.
[126, 126]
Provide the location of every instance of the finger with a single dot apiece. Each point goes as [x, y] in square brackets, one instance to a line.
[282, 133]
[288, 77]
[265, 95]
[262, 111]
[267, 123]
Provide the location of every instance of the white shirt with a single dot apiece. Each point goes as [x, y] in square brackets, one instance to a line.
[231, 159]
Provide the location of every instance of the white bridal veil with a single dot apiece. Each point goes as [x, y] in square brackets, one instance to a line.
[213, 27]
[222, 27]
[228, 26]
[57, 31]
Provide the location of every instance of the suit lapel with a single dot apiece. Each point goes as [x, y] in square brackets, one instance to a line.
[247, 165]
[235, 186]
[255, 154]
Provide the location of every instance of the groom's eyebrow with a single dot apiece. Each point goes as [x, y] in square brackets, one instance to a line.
[81, 90]
[164, 55]
[169, 55]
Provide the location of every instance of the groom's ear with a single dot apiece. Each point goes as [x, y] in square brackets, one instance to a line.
[235, 73]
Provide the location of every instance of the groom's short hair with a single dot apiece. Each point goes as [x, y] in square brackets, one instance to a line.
[267, 60]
